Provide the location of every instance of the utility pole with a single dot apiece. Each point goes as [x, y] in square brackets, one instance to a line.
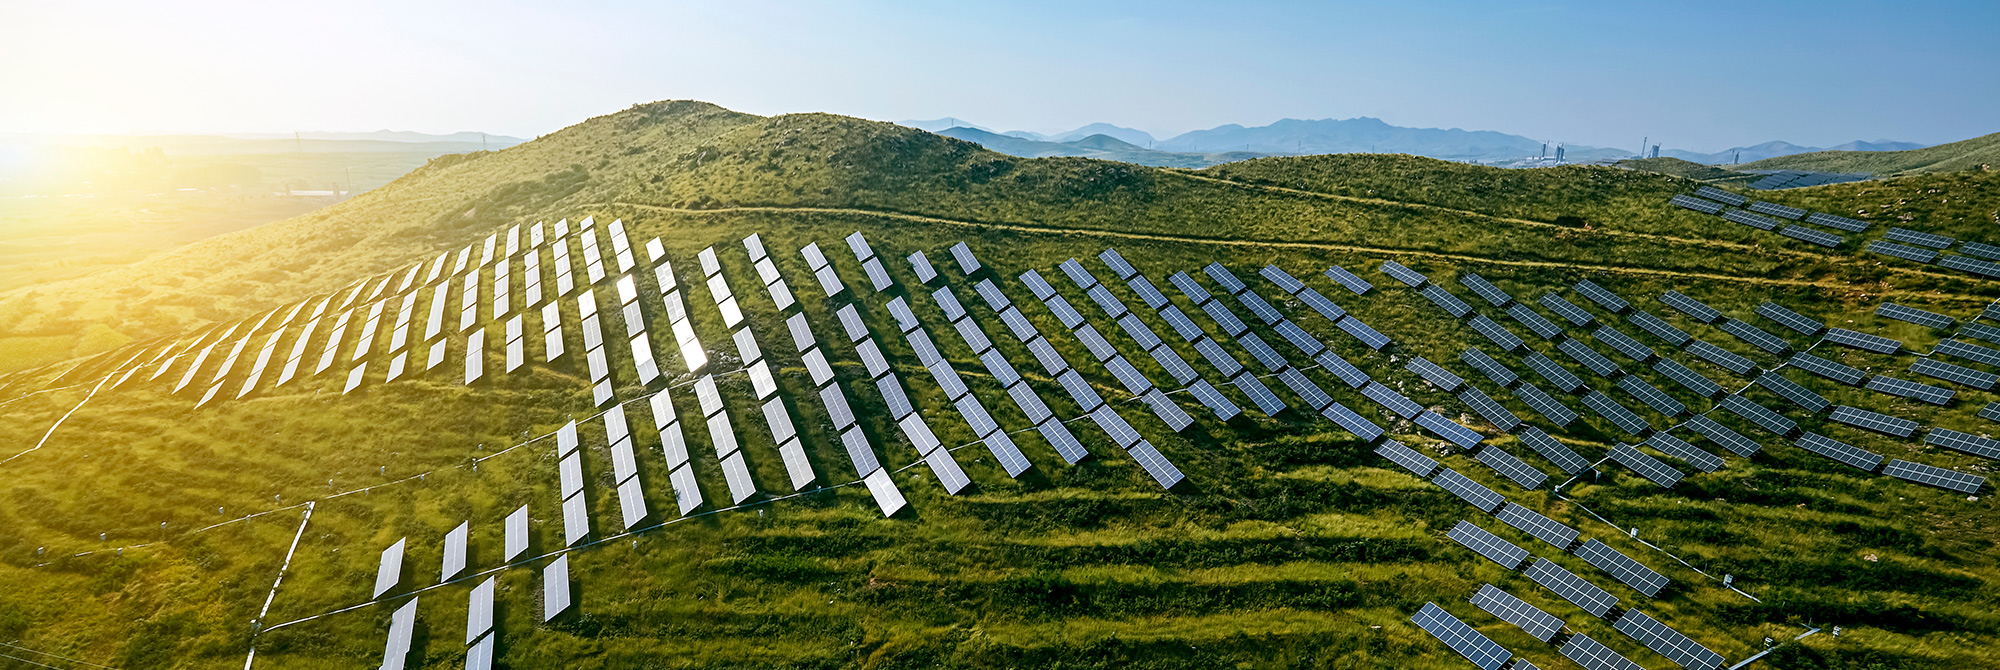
[297, 141]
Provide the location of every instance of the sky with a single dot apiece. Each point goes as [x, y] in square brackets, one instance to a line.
[1700, 76]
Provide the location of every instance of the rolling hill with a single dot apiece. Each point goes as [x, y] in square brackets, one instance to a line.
[1103, 147]
[1979, 153]
[138, 531]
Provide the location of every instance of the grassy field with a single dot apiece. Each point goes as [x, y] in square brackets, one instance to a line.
[1978, 153]
[1290, 545]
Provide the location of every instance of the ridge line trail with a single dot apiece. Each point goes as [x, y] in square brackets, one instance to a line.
[1293, 245]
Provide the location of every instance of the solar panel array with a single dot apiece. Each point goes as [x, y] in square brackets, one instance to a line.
[1729, 360]
[1652, 396]
[1487, 544]
[1751, 220]
[1647, 466]
[1935, 476]
[1970, 352]
[1418, 464]
[1484, 653]
[1446, 301]
[1492, 411]
[1957, 374]
[1863, 341]
[1840, 451]
[1790, 319]
[1793, 392]
[1840, 222]
[1667, 642]
[1757, 337]
[1909, 389]
[1775, 209]
[1403, 274]
[1687, 378]
[1623, 343]
[1918, 238]
[1566, 309]
[1555, 451]
[1904, 252]
[1348, 279]
[1468, 490]
[1578, 591]
[1691, 307]
[1621, 567]
[1493, 369]
[1695, 204]
[1679, 448]
[1914, 315]
[1530, 619]
[1605, 407]
[1964, 442]
[1542, 527]
[1875, 421]
[1593, 655]
[1721, 196]
[1982, 268]
[1844, 374]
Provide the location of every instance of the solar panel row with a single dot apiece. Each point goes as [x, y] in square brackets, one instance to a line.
[1722, 435]
[1721, 196]
[1492, 411]
[1751, 220]
[1651, 396]
[1910, 389]
[1647, 466]
[1903, 251]
[1659, 328]
[1964, 442]
[1804, 234]
[1790, 319]
[1982, 268]
[1534, 322]
[1840, 451]
[1621, 567]
[1844, 374]
[1914, 315]
[1493, 369]
[1512, 467]
[1759, 414]
[1668, 642]
[1875, 421]
[1841, 222]
[1688, 453]
[1691, 307]
[1487, 544]
[1556, 452]
[1793, 392]
[1695, 204]
[1957, 374]
[1403, 274]
[1484, 653]
[1532, 620]
[1623, 343]
[1729, 360]
[1775, 209]
[1348, 279]
[1918, 238]
[1544, 404]
[1578, 591]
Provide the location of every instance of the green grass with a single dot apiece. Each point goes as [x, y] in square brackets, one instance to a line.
[1290, 545]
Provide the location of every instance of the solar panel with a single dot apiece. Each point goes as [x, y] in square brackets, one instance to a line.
[1690, 307]
[1368, 336]
[1965, 442]
[1981, 268]
[1910, 389]
[1224, 408]
[1106, 301]
[1623, 568]
[1902, 251]
[1498, 334]
[1840, 451]
[1511, 467]
[1593, 655]
[1223, 276]
[1305, 342]
[1688, 453]
[1556, 452]
[1189, 287]
[1615, 413]
[1155, 464]
[1756, 336]
[1572, 588]
[1759, 414]
[1957, 374]
[1863, 341]
[1561, 377]
[1487, 544]
[1418, 464]
[1127, 375]
[1917, 238]
[1792, 391]
[892, 395]
[1790, 319]
[1527, 317]
[948, 301]
[1695, 204]
[1582, 353]
[1139, 331]
[1991, 412]
[1094, 341]
[871, 357]
[1775, 209]
[1723, 357]
[1147, 292]
[1284, 280]
[1987, 251]
[1668, 642]
[1490, 410]
[990, 292]
[1117, 263]
[1079, 390]
[1320, 303]
[1064, 312]
[947, 379]
[1115, 426]
[1389, 398]
[1483, 652]
[1261, 395]
[516, 533]
[1315, 397]
[1532, 620]
[1432, 373]
[1485, 289]
[1468, 490]
[1018, 324]
[1408, 276]
[1721, 196]
[921, 264]
[576, 521]
[1446, 301]
[1934, 476]
[1223, 317]
[1446, 428]
[1603, 297]
[1262, 352]
[402, 624]
[1840, 222]
[963, 254]
[1875, 421]
[1651, 396]
[1180, 323]
[1259, 307]
[1566, 309]
[1751, 220]
[1828, 369]
[1063, 441]
[1805, 234]
[1348, 374]
[1914, 315]
[1348, 279]
[1647, 466]
[1362, 428]
[1051, 361]
[1541, 527]
[1623, 343]
[390, 571]
[1493, 369]
[1970, 352]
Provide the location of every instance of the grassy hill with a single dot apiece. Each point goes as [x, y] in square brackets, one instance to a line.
[1979, 153]
[1291, 545]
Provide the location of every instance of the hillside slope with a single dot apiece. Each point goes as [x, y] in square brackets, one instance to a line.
[1974, 154]
[140, 532]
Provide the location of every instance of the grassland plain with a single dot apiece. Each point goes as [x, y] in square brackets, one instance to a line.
[1290, 546]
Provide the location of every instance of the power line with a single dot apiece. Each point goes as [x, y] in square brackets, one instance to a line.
[44, 653]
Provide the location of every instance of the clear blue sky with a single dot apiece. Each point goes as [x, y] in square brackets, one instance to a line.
[1699, 76]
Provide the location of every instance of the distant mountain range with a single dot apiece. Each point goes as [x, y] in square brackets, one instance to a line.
[1100, 146]
[1337, 136]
